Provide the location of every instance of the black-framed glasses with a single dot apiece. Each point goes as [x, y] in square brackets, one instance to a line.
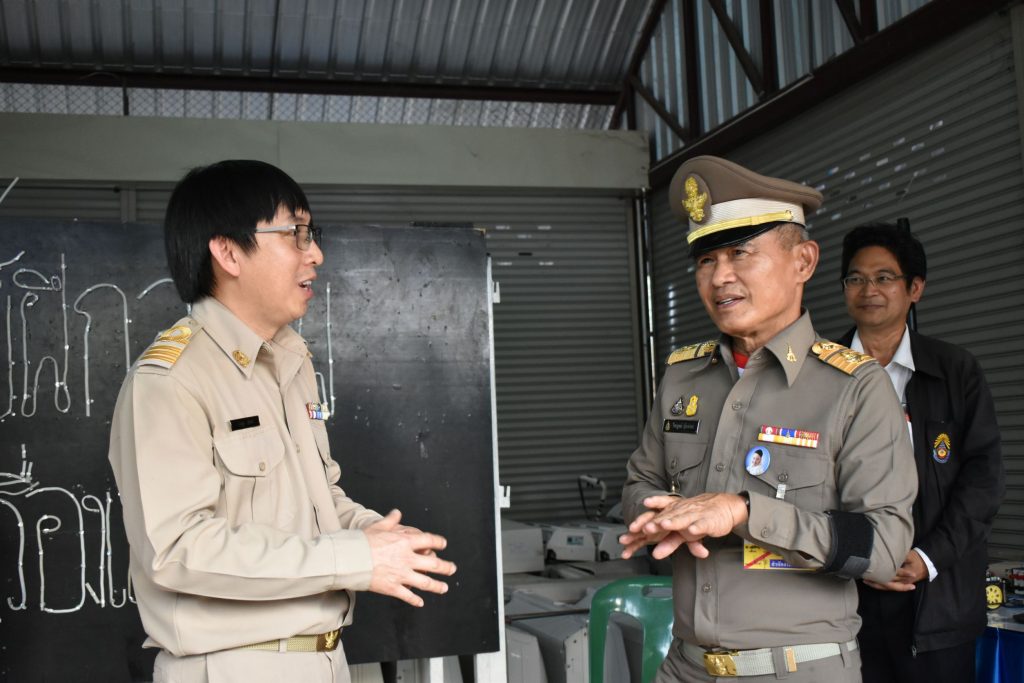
[882, 281]
[305, 234]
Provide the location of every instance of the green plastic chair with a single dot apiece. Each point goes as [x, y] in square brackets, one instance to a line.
[633, 596]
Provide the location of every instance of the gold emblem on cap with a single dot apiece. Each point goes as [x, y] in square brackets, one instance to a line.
[240, 358]
[695, 200]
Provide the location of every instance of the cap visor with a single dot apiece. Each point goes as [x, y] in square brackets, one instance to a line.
[728, 238]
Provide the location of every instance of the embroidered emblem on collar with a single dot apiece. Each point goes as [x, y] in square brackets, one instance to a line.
[941, 448]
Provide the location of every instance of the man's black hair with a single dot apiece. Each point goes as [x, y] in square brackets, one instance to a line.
[902, 244]
[225, 199]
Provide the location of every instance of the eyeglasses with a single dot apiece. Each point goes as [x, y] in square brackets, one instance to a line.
[883, 281]
[305, 235]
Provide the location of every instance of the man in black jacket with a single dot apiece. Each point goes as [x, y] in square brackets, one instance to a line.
[922, 625]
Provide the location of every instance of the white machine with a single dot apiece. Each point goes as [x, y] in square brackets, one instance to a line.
[568, 543]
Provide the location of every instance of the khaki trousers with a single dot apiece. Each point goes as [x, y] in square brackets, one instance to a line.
[843, 668]
[253, 666]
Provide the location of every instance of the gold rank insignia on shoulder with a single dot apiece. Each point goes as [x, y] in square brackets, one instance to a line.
[840, 357]
[166, 349]
[692, 351]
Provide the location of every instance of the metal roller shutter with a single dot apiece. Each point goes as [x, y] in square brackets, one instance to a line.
[935, 139]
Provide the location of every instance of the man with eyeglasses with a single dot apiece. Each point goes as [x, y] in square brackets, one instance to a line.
[922, 625]
[245, 553]
[774, 468]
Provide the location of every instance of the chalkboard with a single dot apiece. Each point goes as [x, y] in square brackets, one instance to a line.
[400, 334]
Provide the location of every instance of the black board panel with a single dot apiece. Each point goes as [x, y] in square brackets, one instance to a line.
[406, 368]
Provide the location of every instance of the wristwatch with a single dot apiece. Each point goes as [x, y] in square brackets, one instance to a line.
[746, 500]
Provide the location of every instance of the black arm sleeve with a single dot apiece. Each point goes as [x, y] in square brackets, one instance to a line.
[852, 540]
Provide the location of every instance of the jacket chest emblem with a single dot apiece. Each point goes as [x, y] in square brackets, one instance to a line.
[941, 448]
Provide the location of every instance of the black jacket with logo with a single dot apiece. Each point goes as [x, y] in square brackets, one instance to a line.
[961, 484]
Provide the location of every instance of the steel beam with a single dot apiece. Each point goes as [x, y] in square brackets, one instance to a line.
[732, 34]
[305, 86]
[769, 50]
[917, 31]
[639, 52]
[849, 15]
[663, 113]
[691, 67]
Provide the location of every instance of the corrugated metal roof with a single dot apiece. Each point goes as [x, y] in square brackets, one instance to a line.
[543, 45]
[807, 34]
[516, 43]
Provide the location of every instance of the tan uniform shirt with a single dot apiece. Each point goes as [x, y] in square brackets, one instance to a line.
[862, 463]
[239, 533]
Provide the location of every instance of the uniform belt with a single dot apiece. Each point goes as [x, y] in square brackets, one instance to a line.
[323, 642]
[760, 662]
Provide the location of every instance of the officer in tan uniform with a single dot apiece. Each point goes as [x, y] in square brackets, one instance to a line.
[775, 467]
[245, 553]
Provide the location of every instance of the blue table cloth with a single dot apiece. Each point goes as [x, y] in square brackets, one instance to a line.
[1000, 650]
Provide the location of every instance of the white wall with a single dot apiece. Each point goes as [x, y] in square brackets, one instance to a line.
[54, 146]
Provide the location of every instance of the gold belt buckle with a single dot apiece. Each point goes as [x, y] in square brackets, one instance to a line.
[328, 642]
[720, 663]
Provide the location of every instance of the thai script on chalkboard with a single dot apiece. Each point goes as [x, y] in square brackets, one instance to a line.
[42, 512]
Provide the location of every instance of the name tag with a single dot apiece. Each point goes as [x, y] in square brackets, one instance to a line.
[245, 422]
[682, 426]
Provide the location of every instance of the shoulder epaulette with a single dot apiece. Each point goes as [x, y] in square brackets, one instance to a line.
[839, 356]
[166, 349]
[698, 350]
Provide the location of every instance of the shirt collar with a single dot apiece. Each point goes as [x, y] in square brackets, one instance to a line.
[790, 347]
[903, 356]
[241, 345]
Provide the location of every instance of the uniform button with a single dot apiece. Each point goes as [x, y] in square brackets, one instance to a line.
[783, 477]
[714, 361]
[737, 405]
[706, 588]
[719, 467]
[764, 532]
[263, 467]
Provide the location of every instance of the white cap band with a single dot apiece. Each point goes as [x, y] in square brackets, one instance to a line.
[740, 213]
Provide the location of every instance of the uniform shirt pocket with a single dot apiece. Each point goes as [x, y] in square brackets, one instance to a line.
[253, 476]
[794, 474]
[683, 455]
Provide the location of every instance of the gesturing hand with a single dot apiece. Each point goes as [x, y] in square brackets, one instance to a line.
[402, 558]
[671, 521]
